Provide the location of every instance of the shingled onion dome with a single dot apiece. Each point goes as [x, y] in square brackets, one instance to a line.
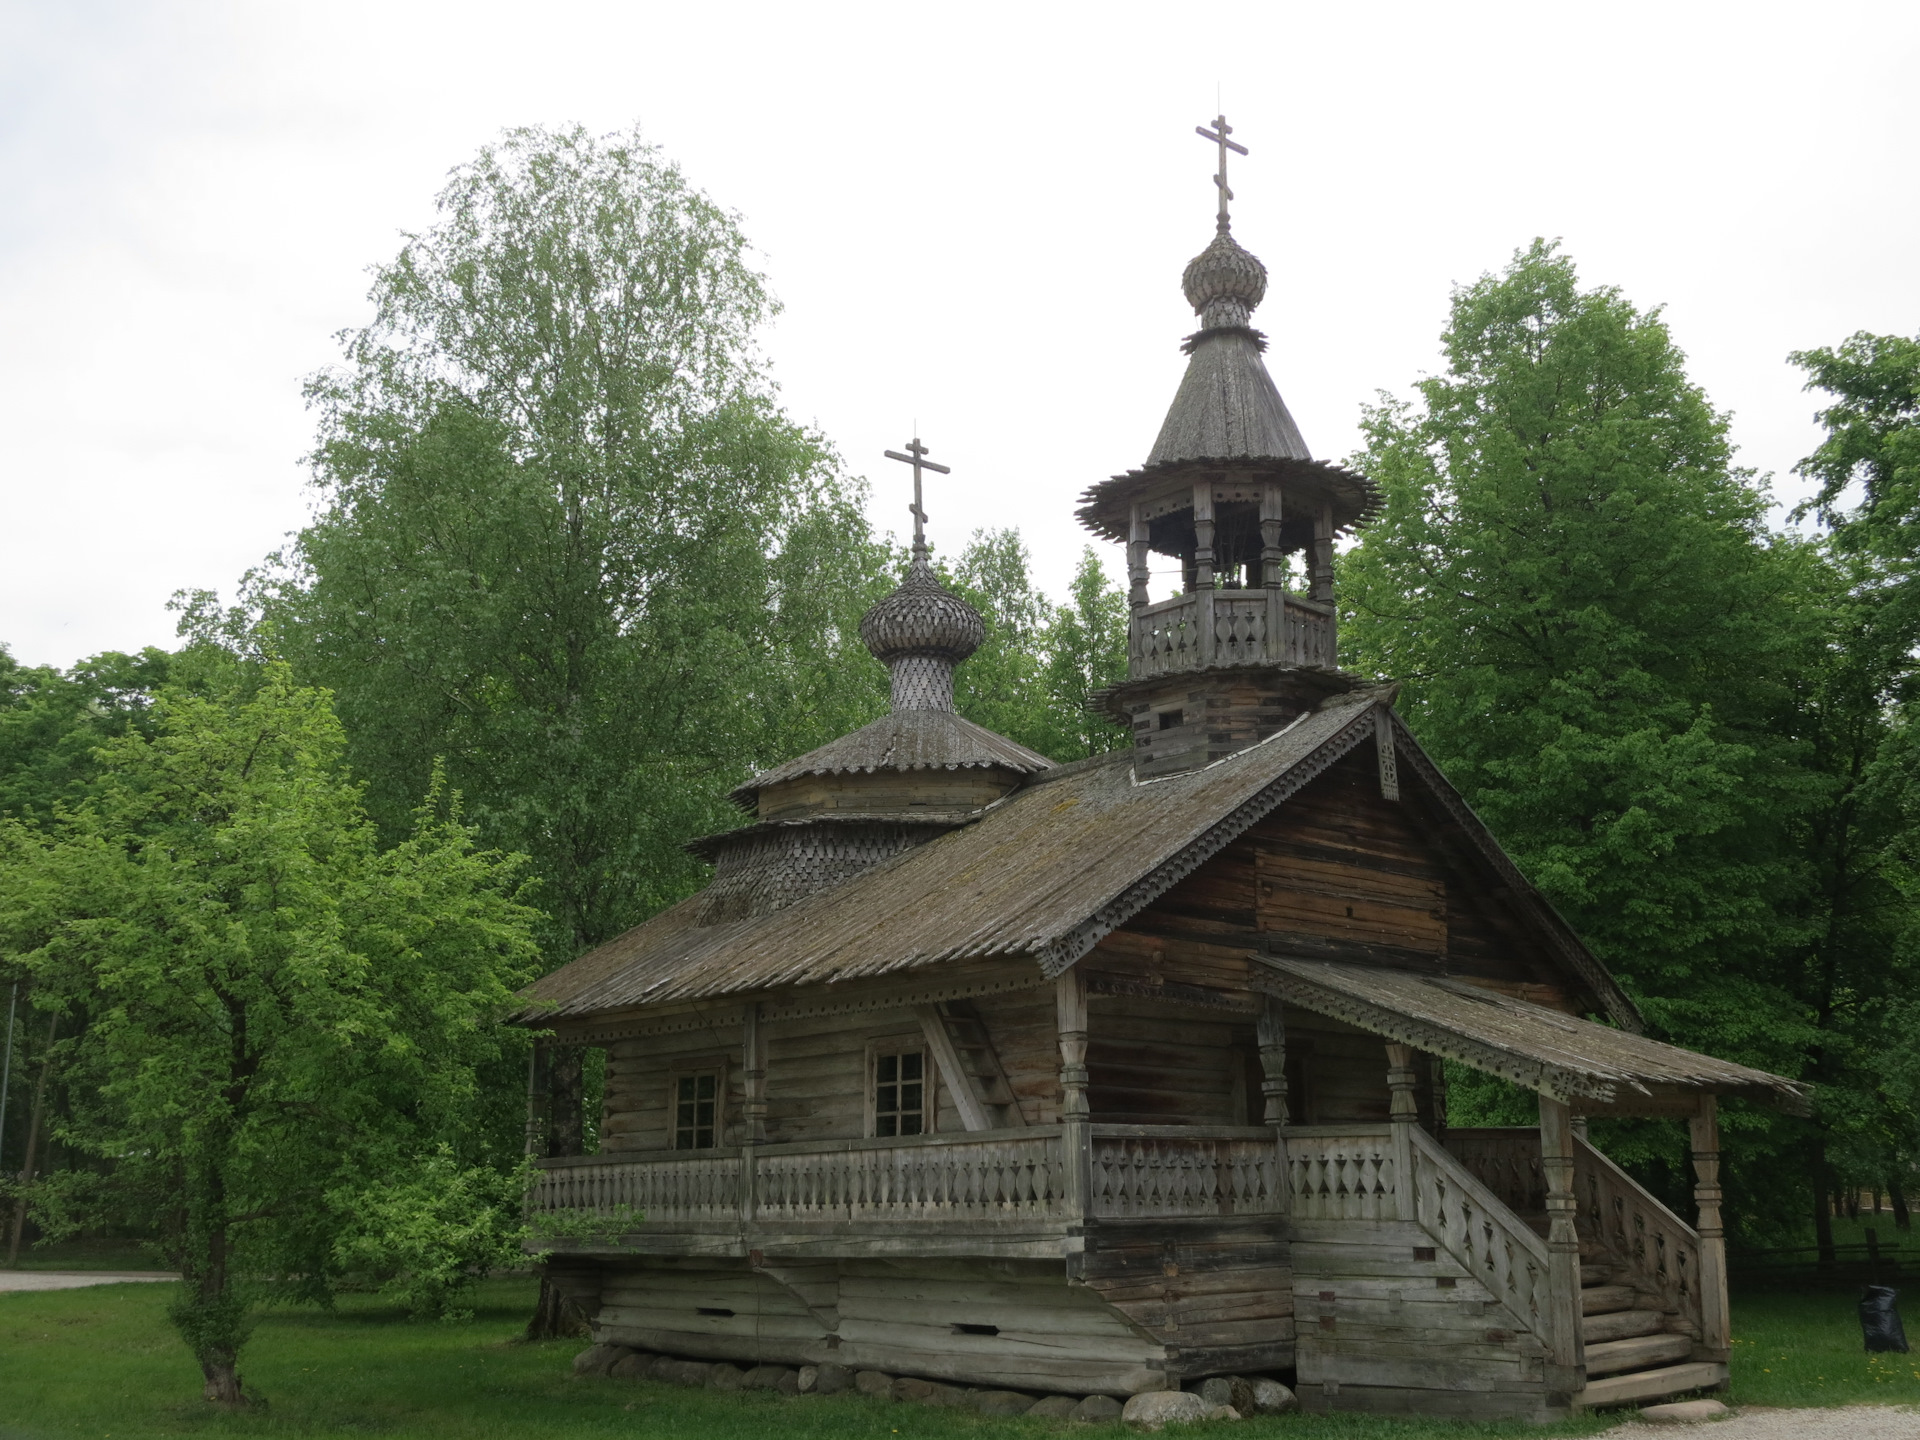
[1225, 284]
[920, 632]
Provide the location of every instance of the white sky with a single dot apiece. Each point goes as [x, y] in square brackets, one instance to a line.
[976, 215]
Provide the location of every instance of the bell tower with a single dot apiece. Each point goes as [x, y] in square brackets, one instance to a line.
[1230, 491]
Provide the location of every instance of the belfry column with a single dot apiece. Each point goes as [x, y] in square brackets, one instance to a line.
[1203, 566]
[1273, 570]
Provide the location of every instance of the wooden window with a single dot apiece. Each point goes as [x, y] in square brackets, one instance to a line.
[900, 1091]
[696, 1110]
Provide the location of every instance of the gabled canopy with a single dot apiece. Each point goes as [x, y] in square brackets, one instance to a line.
[1593, 1067]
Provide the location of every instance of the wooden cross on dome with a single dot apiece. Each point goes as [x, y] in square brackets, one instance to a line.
[917, 457]
[1221, 130]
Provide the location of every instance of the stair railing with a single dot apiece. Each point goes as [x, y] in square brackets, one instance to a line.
[1496, 1247]
[1658, 1252]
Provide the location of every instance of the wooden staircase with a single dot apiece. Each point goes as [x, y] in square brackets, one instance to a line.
[966, 1057]
[1632, 1353]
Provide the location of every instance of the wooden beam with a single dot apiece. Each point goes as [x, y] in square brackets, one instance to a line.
[973, 1112]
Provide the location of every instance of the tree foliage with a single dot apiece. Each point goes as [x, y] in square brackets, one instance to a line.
[567, 543]
[1672, 717]
[272, 1017]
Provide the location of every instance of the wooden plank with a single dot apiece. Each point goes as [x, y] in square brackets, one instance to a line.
[1621, 1325]
[1651, 1384]
[1644, 1352]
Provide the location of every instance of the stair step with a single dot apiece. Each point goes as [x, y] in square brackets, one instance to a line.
[1595, 1275]
[1643, 1352]
[1602, 1299]
[1651, 1384]
[1621, 1325]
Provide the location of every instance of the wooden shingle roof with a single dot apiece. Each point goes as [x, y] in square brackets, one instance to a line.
[1046, 873]
[1543, 1049]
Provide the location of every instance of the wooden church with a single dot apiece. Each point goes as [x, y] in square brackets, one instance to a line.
[1109, 1076]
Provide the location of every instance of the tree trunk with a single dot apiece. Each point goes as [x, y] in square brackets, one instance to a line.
[1898, 1196]
[221, 1367]
[1822, 1195]
[554, 1316]
[33, 1145]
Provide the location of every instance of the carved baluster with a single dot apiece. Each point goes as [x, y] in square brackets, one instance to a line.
[1271, 1033]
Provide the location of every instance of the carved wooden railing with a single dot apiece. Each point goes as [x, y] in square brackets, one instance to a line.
[1165, 638]
[984, 1175]
[1507, 1162]
[704, 1186]
[1649, 1246]
[1175, 635]
[1343, 1176]
[1473, 1226]
[1142, 1171]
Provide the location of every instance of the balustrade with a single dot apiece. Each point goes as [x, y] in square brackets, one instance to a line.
[1165, 638]
[1506, 1161]
[1342, 1177]
[1146, 1172]
[702, 1187]
[984, 1176]
[1481, 1233]
[1658, 1251]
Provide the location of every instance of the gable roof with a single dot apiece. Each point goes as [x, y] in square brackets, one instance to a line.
[1543, 1049]
[1047, 872]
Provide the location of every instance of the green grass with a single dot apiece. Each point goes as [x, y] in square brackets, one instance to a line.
[102, 1364]
[1803, 1348]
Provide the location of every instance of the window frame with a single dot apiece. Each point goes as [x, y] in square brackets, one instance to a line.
[902, 1044]
[692, 1067]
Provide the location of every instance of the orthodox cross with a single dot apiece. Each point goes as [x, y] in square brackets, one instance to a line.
[916, 456]
[1219, 135]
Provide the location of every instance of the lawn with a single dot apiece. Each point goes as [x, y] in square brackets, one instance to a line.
[102, 1364]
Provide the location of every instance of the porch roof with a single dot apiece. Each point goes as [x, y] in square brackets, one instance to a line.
[1593, 1067]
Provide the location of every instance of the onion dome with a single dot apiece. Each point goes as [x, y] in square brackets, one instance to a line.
[922, 617]
[920, 632]
[1224, 283]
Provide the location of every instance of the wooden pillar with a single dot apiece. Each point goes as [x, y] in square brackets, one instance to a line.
[1273, 572]
[1716, 1329]
[1076, 1117]
[1320, 577]
[1404, 1112]
[1272, 1034]
[1566, 1353]
[753, 1109]
[1137, 560]
[1203, 566]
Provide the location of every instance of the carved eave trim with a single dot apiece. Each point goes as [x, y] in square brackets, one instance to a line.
[1062, 951]
[1191, 997]
[1524, 1070]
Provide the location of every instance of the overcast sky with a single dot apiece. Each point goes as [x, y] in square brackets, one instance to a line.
[976, 216]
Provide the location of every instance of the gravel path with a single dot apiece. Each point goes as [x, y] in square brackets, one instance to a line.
[74, 1279]
[1848, 1422]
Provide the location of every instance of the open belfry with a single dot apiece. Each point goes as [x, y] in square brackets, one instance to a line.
[1114, 1076]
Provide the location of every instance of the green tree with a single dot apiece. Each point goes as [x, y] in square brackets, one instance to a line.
[274, 1022]
[567, 544]
[1041, 661]
[52, 721]
[1606, 650]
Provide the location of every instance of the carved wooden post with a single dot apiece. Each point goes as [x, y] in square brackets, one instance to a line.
[1272, 1034]
[1404, 1112]
[1273, 574]
[753, 1109]
[1076, 1118]
[1203, 567]
[1137, 560]
[1566, 1352]
[1715, 1329]
[1320, 577]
